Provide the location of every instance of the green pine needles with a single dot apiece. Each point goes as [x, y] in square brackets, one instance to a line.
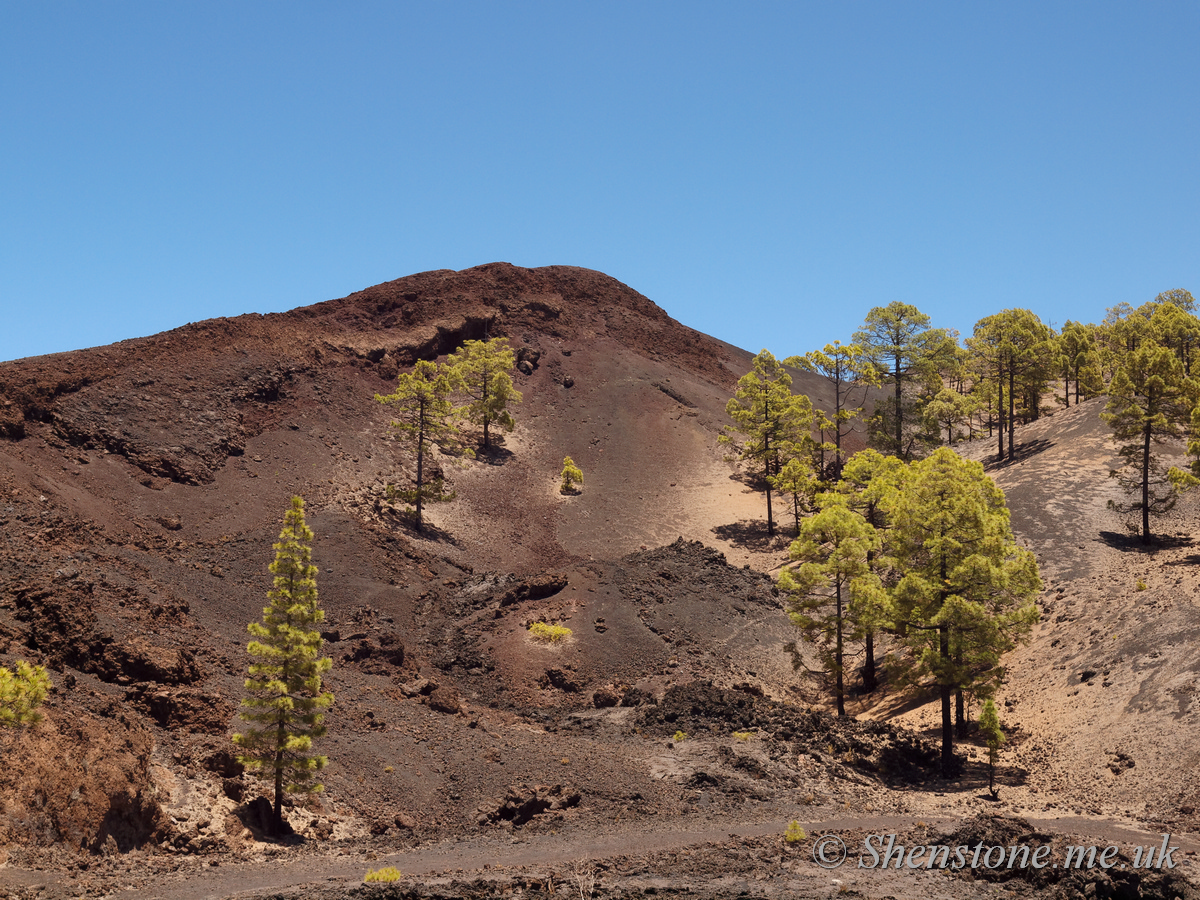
[572, 476]
[21, 694]
[284, 707]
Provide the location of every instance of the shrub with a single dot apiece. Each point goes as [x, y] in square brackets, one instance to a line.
[571, 476]
[794, 833]
[21, 693]
[551, 634]
[679, 737]
[743, 736]
[388, 873]
[1141, 585]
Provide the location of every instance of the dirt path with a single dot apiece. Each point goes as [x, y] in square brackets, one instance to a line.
[498, 855]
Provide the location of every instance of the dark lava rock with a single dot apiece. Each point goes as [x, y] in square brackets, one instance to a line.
[604, 698]
[523, 803]
[561, 680]
[444, 699]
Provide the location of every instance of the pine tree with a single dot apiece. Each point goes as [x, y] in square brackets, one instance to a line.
[1174, 326]
[484, 373]
[869, 483]
[285, 705]
[1079, 361]
[773, 421]
[571, 476]
[1150, 400]
[833, 593]
[846, 366]
[967, 591]
[905, 352]
[21, 694]
[798, 480]
[993, 736]
[424, 417]
[948, 409]
[1017, 351]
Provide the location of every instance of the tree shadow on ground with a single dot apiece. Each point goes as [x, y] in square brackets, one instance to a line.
[751, 534]
[971, 777]
[494, 455]
[428, 531]
[1132, 543]
[1021, 452]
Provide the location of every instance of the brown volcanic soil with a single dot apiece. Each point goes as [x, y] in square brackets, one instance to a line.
[141, 487]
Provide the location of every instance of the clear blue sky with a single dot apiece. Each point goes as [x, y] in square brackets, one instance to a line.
[766, 172]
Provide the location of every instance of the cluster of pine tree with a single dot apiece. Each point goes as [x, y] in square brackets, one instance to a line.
[923, 551]
[479, 377]
[915, 541]
[926, 388]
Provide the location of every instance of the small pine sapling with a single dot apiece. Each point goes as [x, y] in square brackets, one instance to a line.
[989, 727]
[386, 874]
[550, 634]
[21, 694]
[572, 475]
[794, 834]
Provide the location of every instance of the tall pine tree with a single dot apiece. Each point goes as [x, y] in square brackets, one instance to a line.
[967, 592]
[484, 373]
[834, 594]
[906, 353]
[848, 369]
[774, 422]
[285, 706]
[1150, 400]
[424, 418]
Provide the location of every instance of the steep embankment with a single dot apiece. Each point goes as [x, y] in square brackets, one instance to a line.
[142, 484]
[1101, 705]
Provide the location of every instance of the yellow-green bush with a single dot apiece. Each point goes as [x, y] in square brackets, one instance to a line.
[679, 737]
[550, 633]
[572, 475]
[794, 833]
[744, 736]
[388, 873]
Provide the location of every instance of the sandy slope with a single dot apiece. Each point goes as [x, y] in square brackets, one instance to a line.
[141, 487]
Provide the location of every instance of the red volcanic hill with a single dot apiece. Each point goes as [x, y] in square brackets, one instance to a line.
[142, 485]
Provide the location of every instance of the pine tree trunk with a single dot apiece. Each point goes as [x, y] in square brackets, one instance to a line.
[420, 461]
[279, 782]
[947, 733]
[869, 680]
[1000, 409]
[945, 690]
[770, 519]
[837, 657]
[486, 417]
[1146, 485]
[899, 416]
[837, 428]
[767, 467]
[960, 719]
[1012, 383]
